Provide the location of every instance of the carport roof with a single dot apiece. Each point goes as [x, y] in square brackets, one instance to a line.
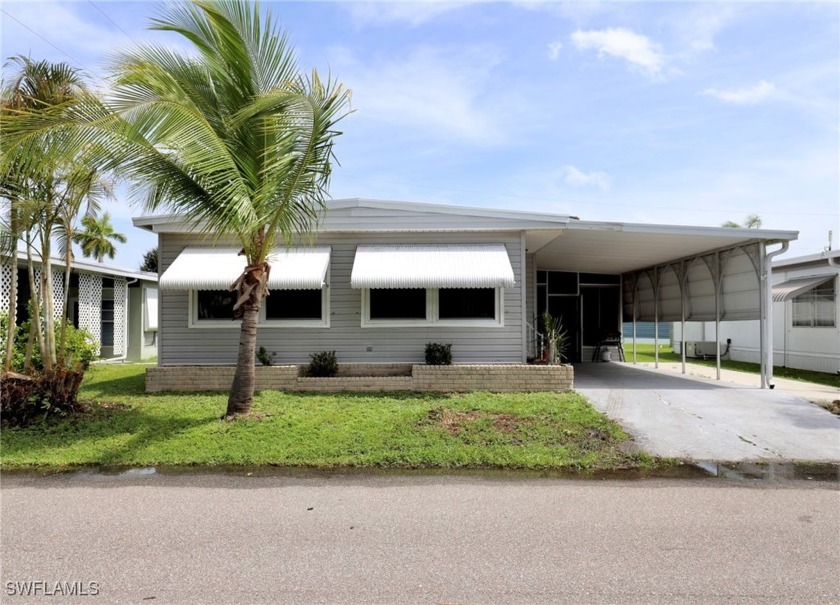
[617, 248]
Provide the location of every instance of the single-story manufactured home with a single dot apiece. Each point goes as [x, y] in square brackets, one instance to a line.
[119, 307]
[381, 279]
[806, 318]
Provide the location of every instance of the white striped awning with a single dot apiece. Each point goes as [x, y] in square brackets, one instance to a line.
[432, 266]
[218, 268]
[794, 287]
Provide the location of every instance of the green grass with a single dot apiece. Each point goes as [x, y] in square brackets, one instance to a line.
[645, 353]
[126, 426]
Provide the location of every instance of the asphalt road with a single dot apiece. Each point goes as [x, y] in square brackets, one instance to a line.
[314, 538]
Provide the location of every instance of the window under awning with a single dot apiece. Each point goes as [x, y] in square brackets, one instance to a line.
[218, 268]
[432, 266]
[794, 287]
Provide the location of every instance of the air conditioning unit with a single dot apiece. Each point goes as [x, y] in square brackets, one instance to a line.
[702, 349]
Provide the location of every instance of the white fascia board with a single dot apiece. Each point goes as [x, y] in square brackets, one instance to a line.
[89, 267]
[821, 257]
[738, 235]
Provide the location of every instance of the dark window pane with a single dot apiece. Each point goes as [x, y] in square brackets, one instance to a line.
[107, 334]
[293, 304]
[599, 278]
[107, 282]
[215, 304]
[541, 300]
[561, 282]
[540, 277]
[107, 310]
[398, 303]
[600, 314]
[467, 303]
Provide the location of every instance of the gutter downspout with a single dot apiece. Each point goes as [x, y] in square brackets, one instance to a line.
[768, 305]
[832, 261]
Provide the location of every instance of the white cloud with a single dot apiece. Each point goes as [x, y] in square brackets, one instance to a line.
[578, 178]
[750, 95]
[554, 50]
[636, 49]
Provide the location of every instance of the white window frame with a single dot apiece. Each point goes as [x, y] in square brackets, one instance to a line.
[813, 310]
[432, 314]
[324, 322]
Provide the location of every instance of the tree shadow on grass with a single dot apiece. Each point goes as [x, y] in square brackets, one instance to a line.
[126, 386]
[92, 434]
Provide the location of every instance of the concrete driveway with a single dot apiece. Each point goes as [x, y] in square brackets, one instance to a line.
[702, 419]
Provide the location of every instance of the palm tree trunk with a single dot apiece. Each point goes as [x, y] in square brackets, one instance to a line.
[30, 344]
[242, 390]
[49, 313]
[35, 320]
[65, 304]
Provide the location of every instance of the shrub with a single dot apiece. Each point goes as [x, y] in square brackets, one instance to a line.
[438, 354]
[80, 348]
[557, 339]
[323, 364]
[25, 399]
[264, 357]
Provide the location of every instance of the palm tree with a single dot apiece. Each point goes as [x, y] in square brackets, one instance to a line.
[753, 221]
[233, 137]
[30, 178]
[83, 187]
[98, 236]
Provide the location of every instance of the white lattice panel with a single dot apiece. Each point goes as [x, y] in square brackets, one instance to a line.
[90, 305]
[120, 315]
[58, 293]
[5, 288]
[37, 273]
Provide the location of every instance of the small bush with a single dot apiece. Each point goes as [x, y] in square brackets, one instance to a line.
[323, 364]
[80, 348]
[438, 354]
[264, 357]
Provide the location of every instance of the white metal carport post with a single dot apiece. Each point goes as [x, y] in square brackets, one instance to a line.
[766, 292]
[683, 293]
[718, 283]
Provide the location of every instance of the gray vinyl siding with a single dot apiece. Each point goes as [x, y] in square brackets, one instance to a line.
[531, 287]
[182, 345]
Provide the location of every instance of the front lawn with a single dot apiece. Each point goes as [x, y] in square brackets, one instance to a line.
[125, 426]
[645, 354]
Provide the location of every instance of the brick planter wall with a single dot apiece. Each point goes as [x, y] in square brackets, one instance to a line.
[370, 378]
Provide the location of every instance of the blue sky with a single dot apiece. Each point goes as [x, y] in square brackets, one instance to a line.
[680, 113]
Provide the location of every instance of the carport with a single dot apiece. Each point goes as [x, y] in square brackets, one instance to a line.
[662, 273]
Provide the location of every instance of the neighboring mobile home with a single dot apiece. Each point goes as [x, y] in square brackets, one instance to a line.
[806, 317]
[117, 306]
